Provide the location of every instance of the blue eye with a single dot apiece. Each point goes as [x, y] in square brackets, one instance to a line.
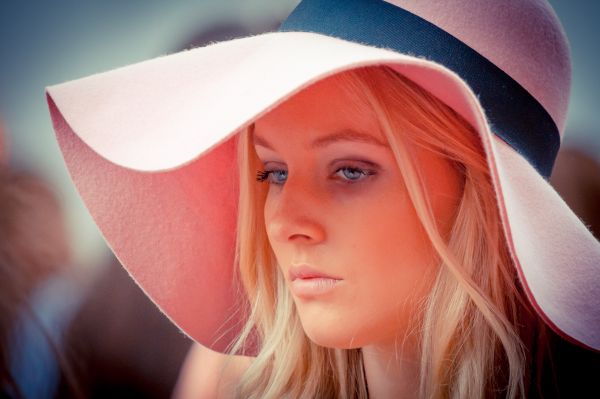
[278, 176]
[352, 174]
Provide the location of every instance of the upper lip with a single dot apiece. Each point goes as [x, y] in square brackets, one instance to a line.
[305, 271]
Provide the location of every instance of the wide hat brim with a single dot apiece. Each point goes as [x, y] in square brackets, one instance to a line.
[151, 148]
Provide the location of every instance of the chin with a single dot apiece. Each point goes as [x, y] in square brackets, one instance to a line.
[336, 337]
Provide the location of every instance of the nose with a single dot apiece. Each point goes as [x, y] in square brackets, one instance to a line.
[296, 214]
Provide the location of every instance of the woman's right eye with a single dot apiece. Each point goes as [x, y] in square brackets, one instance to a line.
[279, 176]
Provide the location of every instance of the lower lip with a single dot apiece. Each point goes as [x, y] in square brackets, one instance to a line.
[311, 287]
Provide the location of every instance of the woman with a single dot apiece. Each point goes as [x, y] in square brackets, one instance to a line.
[395, 242]
[353, 207]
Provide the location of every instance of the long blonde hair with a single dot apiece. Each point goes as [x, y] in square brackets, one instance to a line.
[477, 349]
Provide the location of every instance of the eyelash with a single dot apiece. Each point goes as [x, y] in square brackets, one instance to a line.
[263, 175]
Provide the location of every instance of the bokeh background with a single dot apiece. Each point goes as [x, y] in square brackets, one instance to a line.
[49, 42]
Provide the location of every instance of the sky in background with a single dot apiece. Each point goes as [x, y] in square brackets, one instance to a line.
[48, 42]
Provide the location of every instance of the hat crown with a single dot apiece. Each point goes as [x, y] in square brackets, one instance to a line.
[524, 38]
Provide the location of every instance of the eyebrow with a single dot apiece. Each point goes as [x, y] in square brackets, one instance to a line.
[342, 135]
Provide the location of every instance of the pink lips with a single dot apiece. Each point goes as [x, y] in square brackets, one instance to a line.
[308, 282]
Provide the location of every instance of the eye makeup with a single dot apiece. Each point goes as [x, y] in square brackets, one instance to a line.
[355, 175]
[348, 171]
[355, 172]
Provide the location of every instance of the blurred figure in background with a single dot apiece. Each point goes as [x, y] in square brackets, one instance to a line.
[65, 332]
[38, 291]
[120, 344]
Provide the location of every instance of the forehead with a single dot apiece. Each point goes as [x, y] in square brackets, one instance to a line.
[325, 112]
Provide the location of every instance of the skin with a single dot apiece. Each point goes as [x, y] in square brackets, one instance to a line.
[356, 226]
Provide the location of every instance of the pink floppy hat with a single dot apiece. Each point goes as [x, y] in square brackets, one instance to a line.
[151, 146]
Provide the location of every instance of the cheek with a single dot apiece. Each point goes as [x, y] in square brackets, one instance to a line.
[387, 239]
[389, 265]
[394, 266]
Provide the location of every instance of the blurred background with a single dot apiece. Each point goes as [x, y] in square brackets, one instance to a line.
[48, 43]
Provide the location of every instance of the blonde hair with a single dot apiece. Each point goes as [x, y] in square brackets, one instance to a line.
[476, 349]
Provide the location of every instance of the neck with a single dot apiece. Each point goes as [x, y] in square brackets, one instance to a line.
[392, 370]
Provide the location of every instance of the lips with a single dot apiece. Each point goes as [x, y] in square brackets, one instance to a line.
[306, 272]
[309, 284]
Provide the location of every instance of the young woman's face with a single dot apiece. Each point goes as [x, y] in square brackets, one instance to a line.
[340, 221]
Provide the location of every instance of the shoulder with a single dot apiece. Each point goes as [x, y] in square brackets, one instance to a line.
[209, 374]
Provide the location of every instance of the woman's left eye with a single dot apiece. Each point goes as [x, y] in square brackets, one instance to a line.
[353, 174]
